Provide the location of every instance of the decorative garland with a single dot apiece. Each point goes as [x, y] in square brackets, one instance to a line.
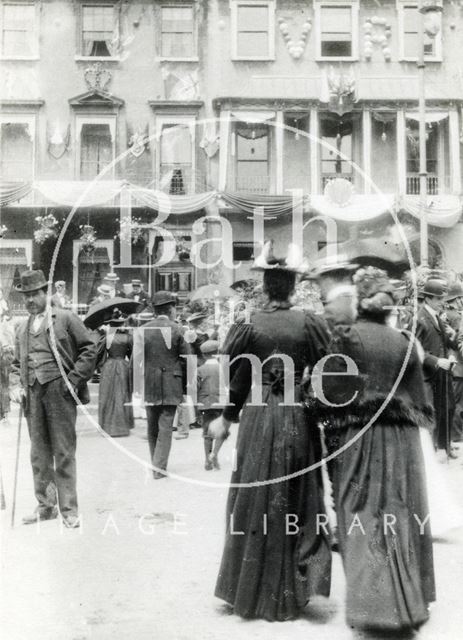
[373, 34]
[296, 49]
[87, 238]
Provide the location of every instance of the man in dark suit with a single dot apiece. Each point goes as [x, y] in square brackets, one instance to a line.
[160, 347]
[139, 294]
[435, 341]
[50, 341]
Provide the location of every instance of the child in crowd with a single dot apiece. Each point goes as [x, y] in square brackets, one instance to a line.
[209, 400]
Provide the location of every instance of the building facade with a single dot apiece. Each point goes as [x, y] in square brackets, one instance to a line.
[290, 119]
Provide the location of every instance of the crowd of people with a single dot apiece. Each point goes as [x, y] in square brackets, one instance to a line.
[371, 386]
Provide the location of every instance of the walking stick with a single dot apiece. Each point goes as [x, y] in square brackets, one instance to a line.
[18, 445]
[446, 414]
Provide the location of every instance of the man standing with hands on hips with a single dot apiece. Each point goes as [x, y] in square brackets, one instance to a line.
[46, 336]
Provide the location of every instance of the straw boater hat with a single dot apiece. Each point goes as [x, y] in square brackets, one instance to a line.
[32, 281]
[111, 277]
[136, 282]
[199, 315]
[104, 289]
[294, 261]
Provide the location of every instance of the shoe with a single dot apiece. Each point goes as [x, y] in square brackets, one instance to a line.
[157, 475]
[452, 454]
[195, 425]
[214, 461]
[181, 436]
[71, 522]
[41, 514]
[208, 465]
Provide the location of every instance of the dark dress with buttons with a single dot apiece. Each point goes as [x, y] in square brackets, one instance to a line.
[115, 413]
[271, 569]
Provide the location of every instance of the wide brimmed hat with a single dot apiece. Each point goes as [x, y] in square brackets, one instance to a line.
[455, 291]
[293, 262]
[32, 281]
[435, 288]
[164, 297]
[199, 315]
[338, 265]
[104, 289]
[209, 346]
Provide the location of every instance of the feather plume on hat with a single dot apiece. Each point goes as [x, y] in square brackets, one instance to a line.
[294, 260]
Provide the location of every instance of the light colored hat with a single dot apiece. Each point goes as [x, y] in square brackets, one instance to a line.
[104, 289]
[111, 277]
[209, 346]
[294, 261]
[60, 283]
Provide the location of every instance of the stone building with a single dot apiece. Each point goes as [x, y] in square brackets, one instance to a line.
[290, 119]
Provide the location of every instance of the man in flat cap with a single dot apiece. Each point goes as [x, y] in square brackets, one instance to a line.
[49, 341]
[159, 347]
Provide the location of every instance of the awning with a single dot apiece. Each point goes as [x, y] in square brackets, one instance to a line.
[431, 116]
[359, 208]
[13, 255]
[253, 117]
[442, 211]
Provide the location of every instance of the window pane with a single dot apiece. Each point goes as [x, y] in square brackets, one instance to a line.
[336, 20]
[18, 30]
[176, 145]
[16, 161]
[335, 49]
[177, 19]
[252, 149]
[252, 45]
[96, 149]
[97, 30]
[252, 18]
[410, 45]
[411, 18]
[177, 45]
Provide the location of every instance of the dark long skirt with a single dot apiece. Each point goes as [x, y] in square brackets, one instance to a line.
[271, 569]
[114, 416]
[379, 481]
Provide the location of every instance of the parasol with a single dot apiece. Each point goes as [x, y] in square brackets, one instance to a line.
[102, 311]
[213, 292]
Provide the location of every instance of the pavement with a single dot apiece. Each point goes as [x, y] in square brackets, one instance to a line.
[144, 562]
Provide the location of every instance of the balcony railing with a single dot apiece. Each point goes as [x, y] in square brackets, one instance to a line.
[180, 179]
[253, 184]
[326, 177]
[413, 184]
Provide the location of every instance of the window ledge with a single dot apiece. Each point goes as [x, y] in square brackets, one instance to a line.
[96, 59]
[253, 59]
[337, 59]
[13, 58]
[426, 59]
[166, 59]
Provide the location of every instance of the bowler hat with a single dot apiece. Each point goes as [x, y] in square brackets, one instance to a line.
[210, 346]
[164, 297]
[455, 291]
[435, 288]
[32, 281]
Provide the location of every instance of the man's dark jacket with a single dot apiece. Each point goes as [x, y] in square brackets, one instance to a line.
[74, 344]
[164, 368]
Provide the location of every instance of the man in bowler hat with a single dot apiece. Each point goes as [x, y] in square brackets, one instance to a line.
[160, 347]
[431, 333]
[50, 337]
